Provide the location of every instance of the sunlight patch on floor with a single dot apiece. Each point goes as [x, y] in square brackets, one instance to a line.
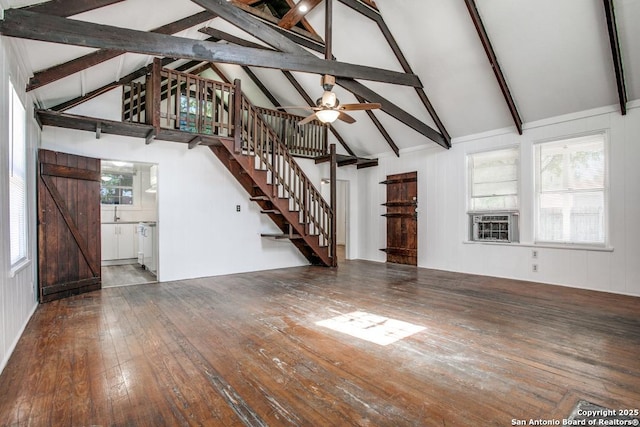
[376, 329]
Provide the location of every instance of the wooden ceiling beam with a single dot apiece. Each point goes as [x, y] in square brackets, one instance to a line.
[67, 8]
[303, 21]
[391, 41]
[297, 12]
[35, 26]
[55, 73]
[273, 21]
[381, 128]
[615, 53]
[392, 109]
[493, 60]
[218, 35]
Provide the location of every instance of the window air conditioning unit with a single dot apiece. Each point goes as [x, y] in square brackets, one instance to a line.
[494, 227]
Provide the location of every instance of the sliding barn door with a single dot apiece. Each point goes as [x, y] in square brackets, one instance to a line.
[402, 219]
[68, 225]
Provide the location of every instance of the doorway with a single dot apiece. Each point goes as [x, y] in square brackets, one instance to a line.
[128, 205]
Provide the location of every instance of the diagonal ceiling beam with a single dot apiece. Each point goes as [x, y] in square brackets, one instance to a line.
[392, 109]
[67, 8]
[493, 60]
[60, 71]
[221, 35]
[303, 21]
[35, 26]
[391, 41]
[615, 52]
[297, 12]
[381, 128]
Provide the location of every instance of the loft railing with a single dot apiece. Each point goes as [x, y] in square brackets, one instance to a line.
[290, 181]
[194, 104]
[308, 140]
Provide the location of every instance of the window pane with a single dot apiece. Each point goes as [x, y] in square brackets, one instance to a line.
[117, 185]
[17, 179]
[494, 180]
[571, 191]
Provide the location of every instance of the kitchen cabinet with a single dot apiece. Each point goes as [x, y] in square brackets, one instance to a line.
[119, 241]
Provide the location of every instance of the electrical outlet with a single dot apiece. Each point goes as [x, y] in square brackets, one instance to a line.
[237, 208]
[534, 268]
[534, 254]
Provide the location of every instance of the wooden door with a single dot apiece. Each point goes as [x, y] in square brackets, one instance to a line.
[402, 219]
[68, 225]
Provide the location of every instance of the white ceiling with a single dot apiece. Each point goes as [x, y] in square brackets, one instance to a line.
[555, 56]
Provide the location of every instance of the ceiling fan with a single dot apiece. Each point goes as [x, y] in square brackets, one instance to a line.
[328, 108]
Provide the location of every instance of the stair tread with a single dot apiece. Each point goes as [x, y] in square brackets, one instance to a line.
[281, 235]
[273, 211]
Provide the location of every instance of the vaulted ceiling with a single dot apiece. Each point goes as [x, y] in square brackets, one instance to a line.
[515, 63]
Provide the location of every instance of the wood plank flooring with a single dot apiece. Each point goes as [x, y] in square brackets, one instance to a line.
[245, 350]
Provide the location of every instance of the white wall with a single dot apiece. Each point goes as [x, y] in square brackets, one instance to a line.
[442, 200]
[17, 288]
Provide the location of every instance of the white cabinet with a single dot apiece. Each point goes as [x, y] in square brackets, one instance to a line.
[119, 241]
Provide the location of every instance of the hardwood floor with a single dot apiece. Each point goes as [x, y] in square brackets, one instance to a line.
[246, 350]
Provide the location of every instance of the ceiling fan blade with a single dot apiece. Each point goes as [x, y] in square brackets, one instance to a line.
[363, 106]
[308, 119]
[346, 118]
[297, 107]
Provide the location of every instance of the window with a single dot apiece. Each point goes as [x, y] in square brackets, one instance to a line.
[17, 178]
[117, 183]
[493, 178]
[571, 194]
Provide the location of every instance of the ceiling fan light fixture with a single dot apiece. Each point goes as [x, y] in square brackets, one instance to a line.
[327, 116]
[303, 8]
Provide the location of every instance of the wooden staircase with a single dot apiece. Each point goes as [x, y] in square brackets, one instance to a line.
[247, 146]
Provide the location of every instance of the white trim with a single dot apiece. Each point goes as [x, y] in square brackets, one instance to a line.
[19, 266]
[567, 246]
[13, 345]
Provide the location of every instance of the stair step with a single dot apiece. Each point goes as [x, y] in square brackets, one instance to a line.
[279, 236]
[272, 211]
[259, 199]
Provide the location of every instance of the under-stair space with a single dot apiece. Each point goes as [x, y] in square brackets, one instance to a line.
[254, 144]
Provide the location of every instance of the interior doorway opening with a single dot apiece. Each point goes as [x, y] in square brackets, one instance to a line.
[128, 223]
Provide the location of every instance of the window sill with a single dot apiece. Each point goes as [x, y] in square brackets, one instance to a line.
[18, 267]
[545, 246]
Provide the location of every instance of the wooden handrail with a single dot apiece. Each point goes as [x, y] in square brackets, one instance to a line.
[287, 178]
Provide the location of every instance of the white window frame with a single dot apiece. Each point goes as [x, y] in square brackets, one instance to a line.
[17, 179]
[605, 189]
[470, 181]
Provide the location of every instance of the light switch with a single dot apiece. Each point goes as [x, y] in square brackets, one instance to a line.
[237, 208]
